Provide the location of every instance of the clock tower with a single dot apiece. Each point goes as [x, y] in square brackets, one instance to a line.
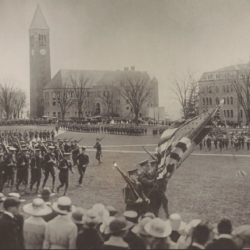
[39, 50]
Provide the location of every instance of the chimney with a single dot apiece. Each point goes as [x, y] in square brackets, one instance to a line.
[125, 68]
[133, 68]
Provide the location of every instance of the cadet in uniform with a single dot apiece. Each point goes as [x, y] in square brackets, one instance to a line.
[36, 170]
[82, 161]
[64, 167]
[1, 172]
[132, 201]
[98, 150]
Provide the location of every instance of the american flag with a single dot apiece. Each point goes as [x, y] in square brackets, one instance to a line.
[179, 141]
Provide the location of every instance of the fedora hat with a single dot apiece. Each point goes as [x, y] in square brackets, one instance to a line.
[37, 208]
[63, 205]
[17, 196]
[46, 192]
[176, 222]
[104, 228]
[119, 225]
[158, 228]
[139, 228]
[77, 215]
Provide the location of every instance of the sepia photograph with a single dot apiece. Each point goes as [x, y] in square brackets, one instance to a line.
[124, 124]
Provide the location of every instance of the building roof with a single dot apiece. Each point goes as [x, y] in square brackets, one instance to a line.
[96, 77]
[39, 21]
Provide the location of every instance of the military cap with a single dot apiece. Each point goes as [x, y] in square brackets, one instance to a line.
[130, 214]
[153, 162]
[83, 147]
[143, 163]
[66, 154]
[12, 149]
[132, 171]
[51, 147]
[24, 149]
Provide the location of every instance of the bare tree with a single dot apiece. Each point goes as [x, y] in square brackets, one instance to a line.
[64, 96]
[7, 95]
[136, 89]
[184, 89]
[107, 97]
[81, 85]
[18, 103]
[240, 80]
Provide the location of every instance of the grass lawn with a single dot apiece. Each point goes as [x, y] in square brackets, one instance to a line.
[204, 187]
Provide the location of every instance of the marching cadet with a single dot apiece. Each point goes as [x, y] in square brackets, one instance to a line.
[215, 142]
[1, 172]
[82, 161]
[98, 148]
[134, 196]
[10, 163]
[53, 134]
[36, 165]
[247, 140]
[22, 170]
[49, 163]
[64, 167]
[36, 135]
[40, 135]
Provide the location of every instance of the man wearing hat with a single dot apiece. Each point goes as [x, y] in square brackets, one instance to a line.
[82, 161]
[241, 237]
[134, 197]
[98, 150]
[36, 165]
[8, 226]
[64, 167]
[61, 232]
[49, 163]
[22, 170]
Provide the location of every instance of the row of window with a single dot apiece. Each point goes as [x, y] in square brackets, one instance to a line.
[209, 101]
[229, 113]
[67, 114]
[41, 38]
[226, 88]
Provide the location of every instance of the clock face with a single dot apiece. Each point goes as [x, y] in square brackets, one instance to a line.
[32, 52]
[42, 52]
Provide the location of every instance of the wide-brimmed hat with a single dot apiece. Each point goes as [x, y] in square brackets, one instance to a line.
[112, 210]
[101, 211]
[63, 205]
[91, 218]
[176, 222]
[37, 208]
[46, 193]
[143, 163]
[104, 228]
[148, 214]
[243, 232]
[119, 225]
[192, 224]
[17, 196]
[158, 228]
[139, 228]
[77, 215]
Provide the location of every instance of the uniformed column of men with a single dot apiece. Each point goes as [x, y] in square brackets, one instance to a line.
[236, 140]
[25, 122]
[36, 153]
[118, 129]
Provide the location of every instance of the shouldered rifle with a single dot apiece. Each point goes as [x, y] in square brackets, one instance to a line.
[101, 138]
[79, 140]
[70, 139]
[149, 154]
[127, 181]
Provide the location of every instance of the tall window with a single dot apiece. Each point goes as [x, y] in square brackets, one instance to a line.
[217, 101]
[210, 100]
[225, 113]
[216, 89]
[227, 100]
[32, 41]
[232, 88]
[224, 98]
[232, 100]
[232, 113]
[207, 100]
[210, 89]
[228, 113]
[227, 88]
[224, 88]
[42, 39]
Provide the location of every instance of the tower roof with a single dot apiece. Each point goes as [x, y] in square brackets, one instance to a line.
[39, 21]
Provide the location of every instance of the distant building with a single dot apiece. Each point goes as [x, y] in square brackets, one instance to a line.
[215, 86]
[43, 99]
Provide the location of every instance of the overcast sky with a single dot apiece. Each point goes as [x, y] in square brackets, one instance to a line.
[157, 36]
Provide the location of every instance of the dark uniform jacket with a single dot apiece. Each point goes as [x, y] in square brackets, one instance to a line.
[83, 159]
[147, 181]
[222, 243]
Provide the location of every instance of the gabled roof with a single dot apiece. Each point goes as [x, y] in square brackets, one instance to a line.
[39, 21]
[97, 77]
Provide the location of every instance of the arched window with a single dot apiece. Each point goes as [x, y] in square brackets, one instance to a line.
[204, 101]
[232, 113]
[227, 100]
[223, 88]
[228, 113]
[232, 100]
[210, 100]
[227, 88]
[207, 100]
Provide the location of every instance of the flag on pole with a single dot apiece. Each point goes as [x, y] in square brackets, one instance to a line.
[177, 144]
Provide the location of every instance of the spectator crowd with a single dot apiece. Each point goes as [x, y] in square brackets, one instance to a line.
[44, 224]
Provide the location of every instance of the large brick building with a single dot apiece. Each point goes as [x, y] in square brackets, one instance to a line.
[217, 85]
[43, 100]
